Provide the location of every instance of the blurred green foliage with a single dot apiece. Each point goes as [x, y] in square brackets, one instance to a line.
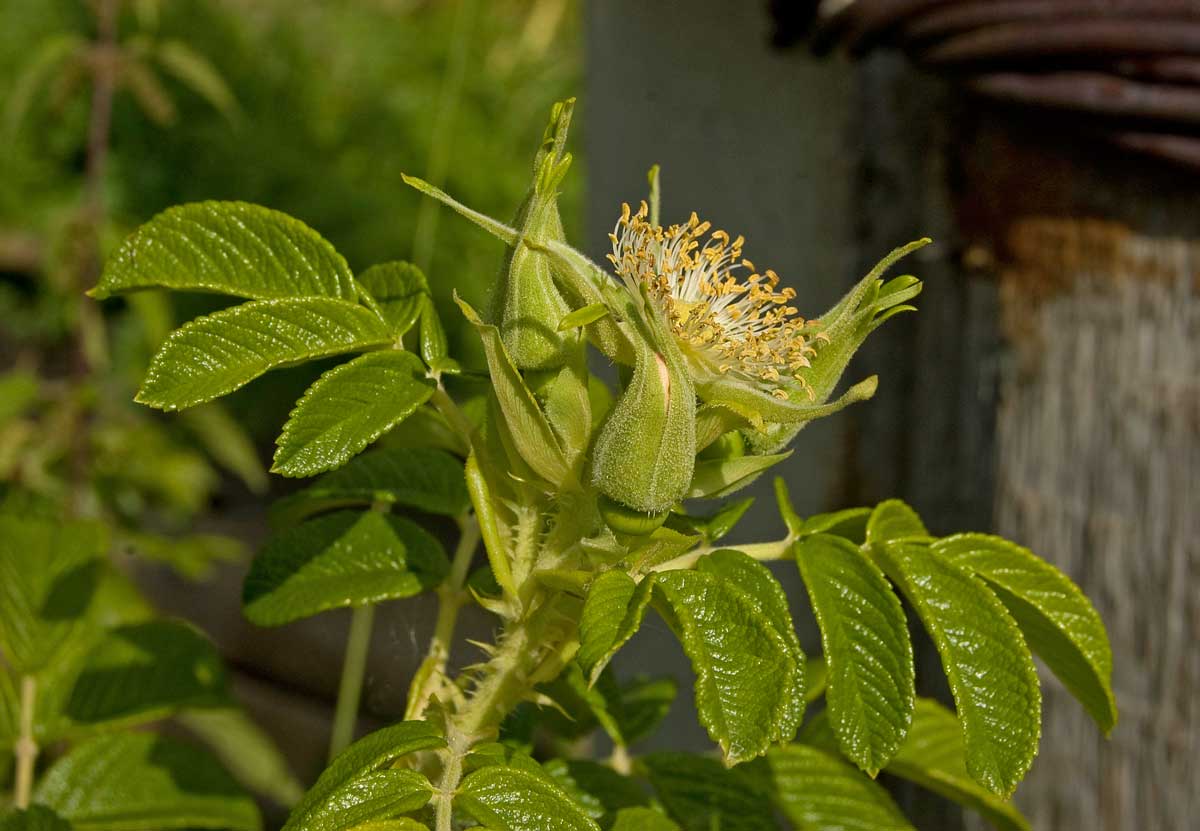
[334, 99]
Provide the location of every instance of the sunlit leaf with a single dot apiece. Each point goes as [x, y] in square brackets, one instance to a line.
[349, 407]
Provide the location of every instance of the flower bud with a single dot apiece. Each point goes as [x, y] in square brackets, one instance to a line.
[527, 306]
[646, 451]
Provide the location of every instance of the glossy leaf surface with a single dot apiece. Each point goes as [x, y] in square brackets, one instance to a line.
[218, 353]
[349, 407]
[867, 650]
[227, 247]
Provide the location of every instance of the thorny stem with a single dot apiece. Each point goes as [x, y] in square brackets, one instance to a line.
[451, 598]
[354, 668]
[26, 749]
[501, 685]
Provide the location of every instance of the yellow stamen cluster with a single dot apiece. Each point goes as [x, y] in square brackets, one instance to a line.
[739, 326]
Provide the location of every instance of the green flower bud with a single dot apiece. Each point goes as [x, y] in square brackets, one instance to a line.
[646, 451]
[527, 306]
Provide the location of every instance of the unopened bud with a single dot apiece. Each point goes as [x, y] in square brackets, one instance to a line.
[646, 451]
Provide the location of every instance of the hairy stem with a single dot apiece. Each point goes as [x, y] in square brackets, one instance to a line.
[26, 748]
[451, 599]
[354, 668]
[502, 683]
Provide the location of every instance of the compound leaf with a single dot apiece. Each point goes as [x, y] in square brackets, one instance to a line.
[136, 781]
[745, 670]
[425, 479]
[218, 353]
[347, 558]
[377, 795]
[990, 669]
[868, 653]
[1058, 621]
[230, 248]
[349, 407]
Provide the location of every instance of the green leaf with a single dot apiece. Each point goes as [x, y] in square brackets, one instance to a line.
[701, 795]
[531, 432]
[817, 791]
[379, 795]
[745, 670]
[642, 819]
[401, 824]
[503, 798]
[246, 751]
[146, 671]
[49, 573]
[400, 289]
[816, 678]
[141, 781]
[989, 667]
[349, 407]
[35, 818]
[867, 650]
[612, 614]
[424, 479]
[230, 248]
[370, 754]
[345, 558]
[933, 757]
[720, 477]
[218, 353]
[893, 520]
[761, 588]
[434, 345]
[1058, 621]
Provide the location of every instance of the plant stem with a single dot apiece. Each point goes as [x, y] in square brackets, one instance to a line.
[445, 405]
[358, 643]
[450, 601]
[760, 551]
[26, 748]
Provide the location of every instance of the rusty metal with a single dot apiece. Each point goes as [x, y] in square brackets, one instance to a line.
[1127, 71]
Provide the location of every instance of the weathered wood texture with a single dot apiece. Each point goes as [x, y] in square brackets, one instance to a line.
[1098, 449]
[1099, 439]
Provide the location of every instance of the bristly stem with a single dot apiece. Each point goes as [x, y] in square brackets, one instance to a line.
[358, 644]
[451, 598]
[26, 749]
